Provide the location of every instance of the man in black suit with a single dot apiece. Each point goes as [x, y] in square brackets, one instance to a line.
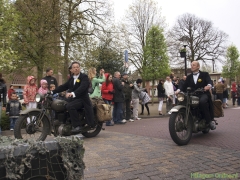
[77, 86]
[198, 79]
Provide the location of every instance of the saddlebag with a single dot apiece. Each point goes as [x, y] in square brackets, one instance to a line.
[104, 112]
[218, 109]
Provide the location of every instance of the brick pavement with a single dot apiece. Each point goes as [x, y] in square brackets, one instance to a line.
[144, 150]
[113, 155]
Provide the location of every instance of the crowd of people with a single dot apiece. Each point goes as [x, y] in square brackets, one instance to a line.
[115, 90]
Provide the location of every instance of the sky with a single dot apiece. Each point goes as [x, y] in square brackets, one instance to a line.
[224, 14]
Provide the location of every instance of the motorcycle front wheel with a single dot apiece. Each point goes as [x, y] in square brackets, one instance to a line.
[180, 133]
[32, 126]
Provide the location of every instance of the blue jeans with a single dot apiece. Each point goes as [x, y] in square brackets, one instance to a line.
[12, 122]
[117, 112]
[108, 102]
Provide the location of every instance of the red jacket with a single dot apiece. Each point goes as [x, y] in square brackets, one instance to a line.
[105, 91]
[234, 89]
[10, 91]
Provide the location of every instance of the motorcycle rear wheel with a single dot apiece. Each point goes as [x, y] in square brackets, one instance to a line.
[180, 135]
[94, 132]
[29, 126]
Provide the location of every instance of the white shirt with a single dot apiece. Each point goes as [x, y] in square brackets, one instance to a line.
[74, 81]
[195, 78]
[168, 86]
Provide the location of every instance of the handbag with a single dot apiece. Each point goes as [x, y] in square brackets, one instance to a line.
[104, 112]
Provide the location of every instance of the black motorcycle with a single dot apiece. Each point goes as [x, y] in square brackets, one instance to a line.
[186, 118]
[51, 117]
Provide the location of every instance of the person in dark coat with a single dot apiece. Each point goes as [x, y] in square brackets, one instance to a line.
[118, 99]
[161, 95]
[198, 79]
[77, 90]
[127, 91]
[49, 78]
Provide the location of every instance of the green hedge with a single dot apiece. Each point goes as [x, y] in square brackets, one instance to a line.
[5, 123]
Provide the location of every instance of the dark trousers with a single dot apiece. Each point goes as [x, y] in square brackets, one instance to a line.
[77, 104]
[219, 96]
[126, 109]
[146, 105]
[117, 112]
[204, 107]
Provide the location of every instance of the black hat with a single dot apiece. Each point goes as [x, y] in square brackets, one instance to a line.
[139, 81]
[124, 74]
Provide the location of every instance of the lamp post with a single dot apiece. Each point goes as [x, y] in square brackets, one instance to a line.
[183, 52]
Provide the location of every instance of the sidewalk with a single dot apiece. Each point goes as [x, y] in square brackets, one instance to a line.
[153, 108]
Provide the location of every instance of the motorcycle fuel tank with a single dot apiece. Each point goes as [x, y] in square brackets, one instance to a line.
[59, 105]
[194, 101]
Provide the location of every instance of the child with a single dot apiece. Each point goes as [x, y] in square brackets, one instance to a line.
[13, 109]
[52, 87]
[44, 87]
[29, 93]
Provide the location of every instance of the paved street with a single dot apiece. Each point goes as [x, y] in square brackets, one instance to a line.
[144, 150]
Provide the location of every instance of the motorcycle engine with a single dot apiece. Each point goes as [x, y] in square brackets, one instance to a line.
[65, 129]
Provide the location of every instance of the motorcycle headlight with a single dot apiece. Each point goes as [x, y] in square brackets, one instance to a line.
[180, 97]
[38, 98]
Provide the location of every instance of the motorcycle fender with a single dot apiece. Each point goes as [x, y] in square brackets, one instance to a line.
[26, 111]
[177, 108]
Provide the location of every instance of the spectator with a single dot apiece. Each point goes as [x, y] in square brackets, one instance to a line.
[145, 103]
[3, 94]
[13, 109]
[10, 91]
[234, 93]
[44, 87]
[127, 91]
[238, 93]
[29, 92]
[161, 95]
[53, 87]
[225, 96]
[95, 81]
[135, 98]
[107, 93]
[118, 99]
[181, 82]
[49, 78]
[219, 88]
[169, 91]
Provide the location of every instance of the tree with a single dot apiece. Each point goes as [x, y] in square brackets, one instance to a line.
[140, 17]
[9, 20]
[204, 42]
[106, 55]
[80, 18]
[232, 66]
[36, 40]
[155, 63]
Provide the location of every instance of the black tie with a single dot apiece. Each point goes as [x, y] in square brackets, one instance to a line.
[195, 73]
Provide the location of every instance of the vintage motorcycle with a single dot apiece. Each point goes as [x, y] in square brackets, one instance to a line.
[51, 118]
[186, 118]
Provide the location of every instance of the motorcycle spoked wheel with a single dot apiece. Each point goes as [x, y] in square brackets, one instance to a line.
[180, 135]
[94, 131]
[34, 128]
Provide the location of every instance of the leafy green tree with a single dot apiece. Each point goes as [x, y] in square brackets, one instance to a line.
[36, 41]
[8, 22]
[232, 66]
[156, 61]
